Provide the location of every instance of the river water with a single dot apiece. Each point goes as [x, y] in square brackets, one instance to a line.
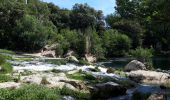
[158, 62]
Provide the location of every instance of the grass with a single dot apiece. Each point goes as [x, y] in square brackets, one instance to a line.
[6, 51]
[6, 68]
[81, 76]
[39, 92]
[76, 94]
[5, 78]
[24, 59]
[83, 62]
[30, 92]
[57, 61]
[56, 71]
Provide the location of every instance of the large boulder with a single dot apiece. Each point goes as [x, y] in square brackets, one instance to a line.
[107, 90]
[150, 77]
[49, 50]
[134, 65]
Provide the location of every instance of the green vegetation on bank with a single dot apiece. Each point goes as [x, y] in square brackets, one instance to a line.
[136, 27]
[35, 92]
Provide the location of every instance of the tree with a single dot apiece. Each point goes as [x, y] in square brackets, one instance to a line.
[83, 18]
[115, 43]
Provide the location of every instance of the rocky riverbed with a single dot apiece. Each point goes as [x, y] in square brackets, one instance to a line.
[100, 82]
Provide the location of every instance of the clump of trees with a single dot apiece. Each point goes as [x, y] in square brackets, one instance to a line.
[135, 24]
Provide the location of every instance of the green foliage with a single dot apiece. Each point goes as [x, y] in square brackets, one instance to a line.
[2, 59]
[6, 51]
[76, 94]
[83, 62]
[143, 55]
[31, 31]
[56, 71]
[35, 92]
[5, 78]
[6, 68]
[116, 44]
[77, 76]
[30, 92]
[57, 61]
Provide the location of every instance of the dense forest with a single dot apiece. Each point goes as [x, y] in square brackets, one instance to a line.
[137, 27]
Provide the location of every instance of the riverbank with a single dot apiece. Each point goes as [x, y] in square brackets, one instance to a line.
[84, 81]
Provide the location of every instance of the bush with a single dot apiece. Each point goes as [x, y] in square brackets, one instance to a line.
[143, 55]
[115, 43]
[30, 34]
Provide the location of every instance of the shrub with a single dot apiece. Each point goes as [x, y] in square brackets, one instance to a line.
[143, 55]
[115, 43]
[30, 34]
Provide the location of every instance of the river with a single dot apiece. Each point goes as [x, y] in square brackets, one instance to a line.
[158, 62]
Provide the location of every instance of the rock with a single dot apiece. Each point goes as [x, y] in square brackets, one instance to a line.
[77, 84]
[90, 58]
[72, 58]
[50, 47]
[67, 98]
[151, 77]
[48, 53]
[107, 90]
[157, 97]
[10, 85]
[34, 79]
[70, 86]
[134, 65]
[69, 53]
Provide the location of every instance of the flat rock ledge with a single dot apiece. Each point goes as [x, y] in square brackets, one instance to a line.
[150, 77]
[10, 85]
